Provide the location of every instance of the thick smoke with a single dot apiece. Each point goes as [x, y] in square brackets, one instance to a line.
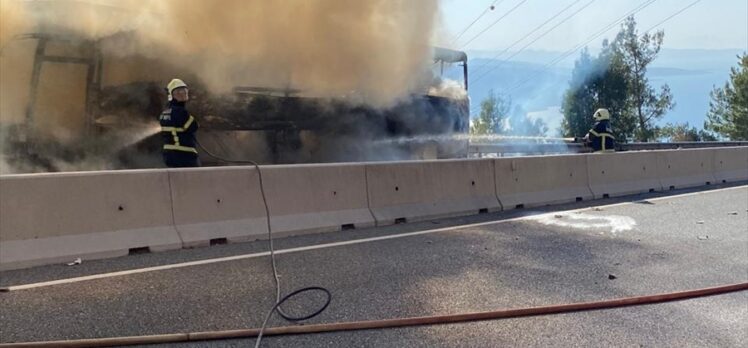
[448, 89]
[370, 50]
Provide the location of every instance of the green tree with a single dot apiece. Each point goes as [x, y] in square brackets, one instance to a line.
[617, 80]
[580, 99]
[678, 132]
[522, 124]
[494, 111]
[597, 82]
[613, 92]
[644, 102]
[728, 109]
[495, 118]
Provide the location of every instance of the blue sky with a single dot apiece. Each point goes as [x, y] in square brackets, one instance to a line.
[710, 24]
[701, 42]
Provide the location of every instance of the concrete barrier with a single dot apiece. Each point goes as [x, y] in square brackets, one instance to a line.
[731, 164]
[217, 204]
[685, 168]
[50, 218]
[412, 191]
[623, 173]
[541, 180]
[316, 198]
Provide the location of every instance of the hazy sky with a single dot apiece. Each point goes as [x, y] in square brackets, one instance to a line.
[712, 24]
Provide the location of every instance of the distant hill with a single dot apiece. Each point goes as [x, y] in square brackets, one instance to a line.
[690, 73]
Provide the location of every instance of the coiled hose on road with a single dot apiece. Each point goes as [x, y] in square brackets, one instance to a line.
[278, 300]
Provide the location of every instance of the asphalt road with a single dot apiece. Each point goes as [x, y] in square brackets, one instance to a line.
[650, 244]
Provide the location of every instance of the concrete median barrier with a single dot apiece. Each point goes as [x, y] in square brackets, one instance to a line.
[686, 168]
[541, 180]
[412, 191]
[623, 173]
[731, 164]
[316, 198]
[216, 205]
[50, 218]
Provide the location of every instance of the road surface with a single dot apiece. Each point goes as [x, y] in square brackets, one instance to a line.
[588, 251]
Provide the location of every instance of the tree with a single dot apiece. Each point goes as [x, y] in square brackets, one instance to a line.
[495, 118]
[493, 113]
[521, 124]
[728, 109]
[644, 102]
[580, 99]
[683, 132]
[614, 91]
[597, 82]
[616, 79]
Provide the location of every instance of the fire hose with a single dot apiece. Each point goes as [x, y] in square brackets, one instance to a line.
[278, 300]
[386, 323]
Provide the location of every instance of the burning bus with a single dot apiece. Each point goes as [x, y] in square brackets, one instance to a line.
[75, 106]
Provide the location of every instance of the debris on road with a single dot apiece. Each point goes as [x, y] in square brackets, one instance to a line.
[702, 237]
[77, 261]
[558, 216]
[700, 222]
[732, 213]
[612, 276]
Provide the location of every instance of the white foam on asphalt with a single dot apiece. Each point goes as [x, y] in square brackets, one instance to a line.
[612, 223]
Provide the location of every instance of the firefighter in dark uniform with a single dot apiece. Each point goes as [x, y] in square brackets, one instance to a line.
[600, 137]
[178, 128]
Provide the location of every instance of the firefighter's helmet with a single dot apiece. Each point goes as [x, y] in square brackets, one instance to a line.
[174, 84]
[601, 114]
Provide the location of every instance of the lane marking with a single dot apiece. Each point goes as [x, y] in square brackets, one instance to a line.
[335, 244]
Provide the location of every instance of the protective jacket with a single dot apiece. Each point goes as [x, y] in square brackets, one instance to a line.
[601, 137]
[178, 129]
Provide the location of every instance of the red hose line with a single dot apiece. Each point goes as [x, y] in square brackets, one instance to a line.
[387, 323]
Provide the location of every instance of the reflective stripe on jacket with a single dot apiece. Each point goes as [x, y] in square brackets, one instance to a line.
[178, 128]
[602, 138]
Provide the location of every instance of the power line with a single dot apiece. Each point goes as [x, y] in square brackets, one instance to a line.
[527, 35]
[673, 15]
[577, 47]
[648, 30]
[494, 23]
[490, 7]
[533, 41]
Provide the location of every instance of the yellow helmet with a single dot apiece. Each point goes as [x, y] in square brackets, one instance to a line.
[174, 84]
[601, 114]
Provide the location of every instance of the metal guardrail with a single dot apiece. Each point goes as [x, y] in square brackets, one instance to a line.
[526, 148]
[678, 145]
[478, 150]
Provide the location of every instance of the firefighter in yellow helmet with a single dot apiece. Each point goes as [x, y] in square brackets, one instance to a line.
[178, 128]
[600, 137]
